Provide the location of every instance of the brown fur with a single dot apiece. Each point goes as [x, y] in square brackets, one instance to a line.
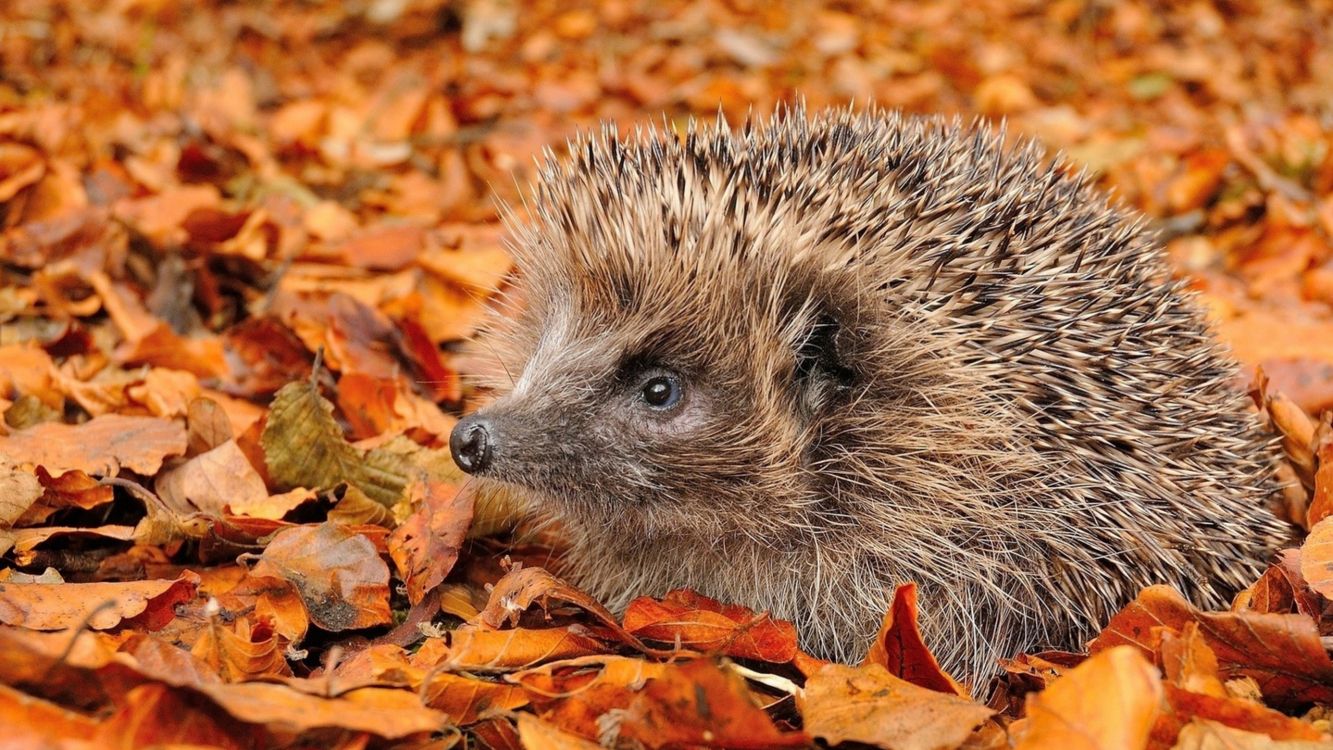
[907, 354]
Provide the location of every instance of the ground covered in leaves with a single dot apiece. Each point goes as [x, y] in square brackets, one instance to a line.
[241, 241]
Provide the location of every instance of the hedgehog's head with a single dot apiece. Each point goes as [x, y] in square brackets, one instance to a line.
[692, 351]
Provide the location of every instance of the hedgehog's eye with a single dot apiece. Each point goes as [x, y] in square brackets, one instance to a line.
[661, 391]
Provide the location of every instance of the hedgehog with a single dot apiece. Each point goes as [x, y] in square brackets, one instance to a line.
[798, 364]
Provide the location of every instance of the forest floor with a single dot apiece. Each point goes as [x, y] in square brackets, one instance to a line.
[241, 242]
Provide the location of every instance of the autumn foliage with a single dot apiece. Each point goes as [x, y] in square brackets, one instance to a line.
[241, 243]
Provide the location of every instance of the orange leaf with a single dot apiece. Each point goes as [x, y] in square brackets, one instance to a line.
[339, 574]
[1282, 652]
[101, 445]
[467, 700]
[1186, 706]
[425, 547]
[241, 650]
[1188, 662]
[33, 722]
[154, 715]
[703, 624]
[522, 587]
[213, 481]
[1317, 558]
[384, 712]
[870, 705]
[696, 703]
[479, 650]
[900, 648]
[539, 735]
[1109, 701]
[44, 606]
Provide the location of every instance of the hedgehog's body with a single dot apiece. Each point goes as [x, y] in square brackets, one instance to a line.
[797, 366]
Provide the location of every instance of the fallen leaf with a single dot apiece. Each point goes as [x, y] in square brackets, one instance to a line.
[1109, 701]
[153, 715]
[213, 481]
[477, 649]
[1185, 706]
[339, 574]
[870, 705]
[1202, 734]
[697, 703]
[467, 700]
[539, 735]
[383, 712]
[19, 489]
[521, 588]
[1317, 558]
[101, 446]
[304, 447]
[241, 650]
[425, 547]
[31, 722]
[703, 624]
[41, 606]
[1187, 661]
[1282, 652]
[900, 648]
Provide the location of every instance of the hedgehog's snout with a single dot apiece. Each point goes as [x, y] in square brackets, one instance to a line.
[472, 444]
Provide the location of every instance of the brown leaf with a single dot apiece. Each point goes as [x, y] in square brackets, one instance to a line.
[426, 546]
[539, 735]
[19, 489]
[212, 481]
[1282, 652]
[870, 705]
[1282, 589]
[102, 445]
[208, 425]
[703, 624]
[900, 648]
[1187, 661]
[522, 587]
[241, 650]
[467, 700]
[72, 489]
[1185, 706]
[696, 703]
[273, 600]
[476, 649]
[383, 248]
[153, 715]
[31, 722]
[384, 712]
[41, 606]
[1317, 558]
[339, 574]
[1202, 734]
[1109, 701]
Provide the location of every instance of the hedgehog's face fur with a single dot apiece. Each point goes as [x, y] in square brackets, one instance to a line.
[794, 366]
[665, 398]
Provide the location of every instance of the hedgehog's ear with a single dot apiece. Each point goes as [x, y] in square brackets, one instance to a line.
[820, 354]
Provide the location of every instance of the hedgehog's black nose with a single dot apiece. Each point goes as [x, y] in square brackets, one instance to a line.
[470, 443]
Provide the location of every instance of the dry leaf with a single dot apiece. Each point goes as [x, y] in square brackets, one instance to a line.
[702, 624]
[212, 481]
[42, 606]
[102, 445]
[1317, 558]
[868, 704]
[1109, 701]
[899, 647]
[426, 546]
[339, 574]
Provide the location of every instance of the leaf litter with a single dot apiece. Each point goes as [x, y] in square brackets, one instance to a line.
[240, 248]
